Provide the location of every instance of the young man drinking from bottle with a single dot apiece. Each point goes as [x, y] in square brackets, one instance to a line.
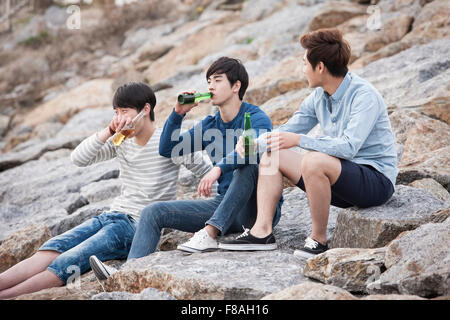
[235, 204]
[353, 164]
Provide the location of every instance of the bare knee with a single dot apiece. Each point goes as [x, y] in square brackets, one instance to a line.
[315, 164]
[47, 255]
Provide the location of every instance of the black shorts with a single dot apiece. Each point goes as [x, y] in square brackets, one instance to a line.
[358, 185]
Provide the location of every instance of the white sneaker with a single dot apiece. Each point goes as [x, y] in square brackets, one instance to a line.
[200, 242]
[101, 270]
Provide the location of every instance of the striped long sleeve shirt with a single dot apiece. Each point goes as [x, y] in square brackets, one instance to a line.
[145, 176]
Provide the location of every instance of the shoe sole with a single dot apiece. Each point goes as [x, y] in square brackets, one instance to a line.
[304, 254]
[98, 270]
[193, 250]
[248, 247]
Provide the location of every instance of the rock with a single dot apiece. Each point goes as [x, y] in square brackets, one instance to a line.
[101, 190]
[81, 288]
[416, 80]
[22, 245]
[4, 122]
[44, 191]
[425, 147]
[295, 223]
[430, 24]
[264, 87]
[92, 94]
[349, 269]
[435, 188]
[256, 9]
[311, 291]
[334, 13]
[79, 127]
[189, 51]
[392, 297]
[364, 40]
[277, 30]
[153, 51]
[386, 51]
[440, 215]
[146, 294]
[201, 276]
[376, 226]
[418, 263]
[281, 108]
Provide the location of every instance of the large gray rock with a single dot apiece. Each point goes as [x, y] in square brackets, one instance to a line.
[418, 263]
[69, 136]
[215, 275]
[376, 226]
[46, 191]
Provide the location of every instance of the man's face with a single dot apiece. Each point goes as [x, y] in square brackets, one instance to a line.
[314, 76]
[219, 86]
[129, 113]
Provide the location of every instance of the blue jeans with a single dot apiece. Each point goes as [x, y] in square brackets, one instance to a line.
[108, 236]
[228, 213]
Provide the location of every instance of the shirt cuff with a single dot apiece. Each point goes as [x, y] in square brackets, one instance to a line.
[175, 117]
[307, 142]
[223, 167]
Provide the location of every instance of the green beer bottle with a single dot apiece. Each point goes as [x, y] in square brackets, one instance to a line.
[187, 98]
[248, 136]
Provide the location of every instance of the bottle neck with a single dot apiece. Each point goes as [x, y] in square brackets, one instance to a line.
[247, 122]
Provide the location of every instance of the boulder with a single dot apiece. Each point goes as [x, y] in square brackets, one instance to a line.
[92, 94]
[46, 191]
[364, 40]
[430, 24]
[425, 149]
[270, 85]
[22, 245]
[215, 275]
[189, 51]
[376, 226]
[333, 13]
[416, 79]
[434, 187]
[311, 291]
[349, 269]
[418, 263]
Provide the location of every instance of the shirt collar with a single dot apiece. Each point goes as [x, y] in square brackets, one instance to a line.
[341, 89]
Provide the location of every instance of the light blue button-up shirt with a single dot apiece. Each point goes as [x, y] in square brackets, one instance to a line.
[355, 124]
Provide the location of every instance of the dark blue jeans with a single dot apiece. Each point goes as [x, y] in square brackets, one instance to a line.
[228, 213]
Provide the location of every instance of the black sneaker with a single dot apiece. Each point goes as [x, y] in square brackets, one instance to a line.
[311, 248]
[247, 242]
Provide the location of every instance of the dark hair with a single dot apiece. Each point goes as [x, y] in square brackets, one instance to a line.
[328, 46]
[135, 95]
[234, 69]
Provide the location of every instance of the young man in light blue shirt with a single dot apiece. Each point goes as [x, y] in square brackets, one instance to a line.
[353, 164]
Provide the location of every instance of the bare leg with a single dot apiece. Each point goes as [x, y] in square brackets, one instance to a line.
[273, 166]
[319, 171]
[45, 279]
[27, 268]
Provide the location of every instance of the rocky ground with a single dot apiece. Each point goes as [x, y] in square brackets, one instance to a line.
[56, 88]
